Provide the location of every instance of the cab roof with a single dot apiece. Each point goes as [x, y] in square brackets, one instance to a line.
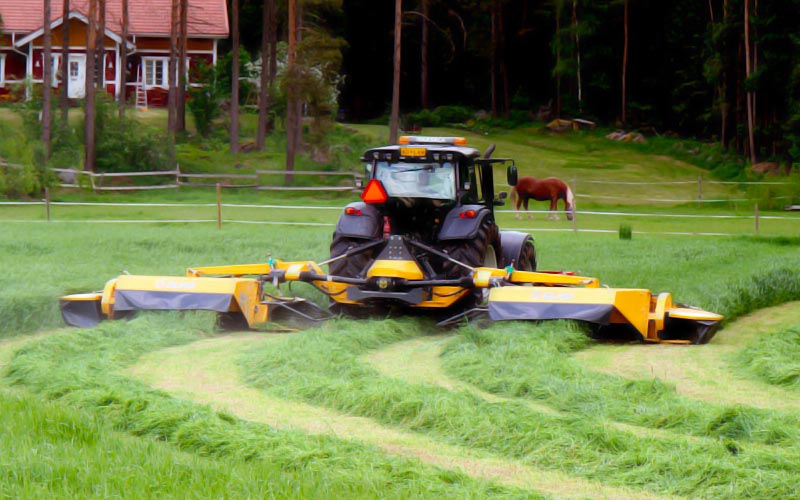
[456, 145]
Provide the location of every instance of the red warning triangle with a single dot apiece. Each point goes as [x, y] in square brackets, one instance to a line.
[374, 192]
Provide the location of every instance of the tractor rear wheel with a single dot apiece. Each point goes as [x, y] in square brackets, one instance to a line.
[354, 266]
[351, 267]
[483, 250]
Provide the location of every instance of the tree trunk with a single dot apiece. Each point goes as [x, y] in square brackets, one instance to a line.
[172, 101]
[748, 72]
[755, 61]
[123, 60]
[264, 103]
[395, 117]
[501, 55]
[183, 26]
[558, 58]
[493, 63]
[578, 53]
[63, 101]
[89, 115]
[724, 88]
[291, 94]
[423, 70]
[100, 63]
[625, 63]
[234, 108]
[47, 82]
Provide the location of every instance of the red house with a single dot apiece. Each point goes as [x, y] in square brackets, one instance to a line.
[148, 45]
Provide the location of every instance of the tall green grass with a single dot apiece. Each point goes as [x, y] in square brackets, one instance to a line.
[498, 360]
[51, 450]
[774, 358]
[322, 367]
[81, 369]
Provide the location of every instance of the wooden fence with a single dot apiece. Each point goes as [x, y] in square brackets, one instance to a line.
[72, 178]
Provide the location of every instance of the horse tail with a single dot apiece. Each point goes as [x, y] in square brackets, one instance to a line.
[513, 198]
[570, 199]
[570, 208]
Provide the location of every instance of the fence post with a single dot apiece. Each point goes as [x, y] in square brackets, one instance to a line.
[47, 203]
[219, 206]
[699, 191]
[756, 218]
[575, 203]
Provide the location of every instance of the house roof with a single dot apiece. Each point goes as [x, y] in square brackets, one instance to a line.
[147, 17]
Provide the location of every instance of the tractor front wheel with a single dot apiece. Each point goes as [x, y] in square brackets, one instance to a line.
[527, 257]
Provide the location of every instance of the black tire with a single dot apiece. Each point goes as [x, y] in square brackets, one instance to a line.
[354, 266]
[527, 258]
[475, 252]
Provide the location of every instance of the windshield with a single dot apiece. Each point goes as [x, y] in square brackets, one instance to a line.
[417, 180]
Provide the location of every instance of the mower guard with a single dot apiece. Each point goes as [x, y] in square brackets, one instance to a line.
[238, 291]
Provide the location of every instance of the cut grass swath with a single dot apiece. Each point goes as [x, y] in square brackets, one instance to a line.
[322, 367]
[82, 369]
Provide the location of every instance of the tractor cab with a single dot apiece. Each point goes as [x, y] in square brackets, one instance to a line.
[418, 181]
[426, 214]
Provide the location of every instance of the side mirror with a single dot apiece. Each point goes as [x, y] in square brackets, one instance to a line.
[512, 175]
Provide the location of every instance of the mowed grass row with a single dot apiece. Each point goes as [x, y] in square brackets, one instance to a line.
[751, 453]
[52, 450]
[322, 366]
[62, 434]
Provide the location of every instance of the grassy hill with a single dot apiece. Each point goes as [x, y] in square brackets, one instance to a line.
[169, 406]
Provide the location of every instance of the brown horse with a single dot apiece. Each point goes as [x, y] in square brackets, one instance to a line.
[551, 188]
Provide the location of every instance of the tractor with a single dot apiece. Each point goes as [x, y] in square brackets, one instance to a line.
[427, 213]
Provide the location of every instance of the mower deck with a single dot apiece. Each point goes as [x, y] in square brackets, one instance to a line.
[238, 291]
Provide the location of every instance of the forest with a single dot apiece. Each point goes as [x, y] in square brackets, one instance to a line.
[721, 70]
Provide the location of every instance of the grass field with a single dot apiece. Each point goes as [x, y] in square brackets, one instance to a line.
[168, 406]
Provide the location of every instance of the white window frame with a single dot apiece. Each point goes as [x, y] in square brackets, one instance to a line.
[73, 63]
[2, 69]
[152, 82]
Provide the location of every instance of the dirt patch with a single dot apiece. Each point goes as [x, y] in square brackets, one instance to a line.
[703, 372]
[206, 372]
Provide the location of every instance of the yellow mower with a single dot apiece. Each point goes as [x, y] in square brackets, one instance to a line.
[423, 237]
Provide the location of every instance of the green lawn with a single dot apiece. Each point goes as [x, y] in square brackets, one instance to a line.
[512, 410]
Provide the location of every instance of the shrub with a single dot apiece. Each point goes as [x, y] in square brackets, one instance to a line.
[453, 114]
[424, 118]
[625, 231]
[17, 182]
[125, 146]
[203, 101]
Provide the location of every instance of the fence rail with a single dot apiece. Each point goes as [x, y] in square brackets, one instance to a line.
[70, 178]
[715, 224]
